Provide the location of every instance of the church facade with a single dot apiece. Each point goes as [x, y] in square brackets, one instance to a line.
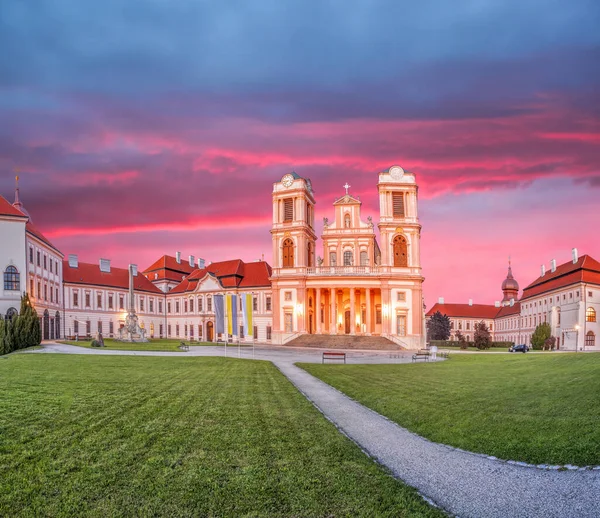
[355, 286]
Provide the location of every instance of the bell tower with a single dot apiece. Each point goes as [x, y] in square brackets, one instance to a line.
[399, 225]
[293, 223]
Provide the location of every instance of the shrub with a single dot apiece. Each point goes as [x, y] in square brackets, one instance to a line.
[96, 343]
[482, 337]
[542, 333]
[456, 343]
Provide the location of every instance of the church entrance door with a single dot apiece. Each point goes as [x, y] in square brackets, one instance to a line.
[310, 324]
[209, 332]
[347, 322]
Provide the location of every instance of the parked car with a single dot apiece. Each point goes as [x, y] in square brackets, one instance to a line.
[521, 348]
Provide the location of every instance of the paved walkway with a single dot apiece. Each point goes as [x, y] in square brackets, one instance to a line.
[465, 484]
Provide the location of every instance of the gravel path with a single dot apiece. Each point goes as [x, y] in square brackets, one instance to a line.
[464, 484]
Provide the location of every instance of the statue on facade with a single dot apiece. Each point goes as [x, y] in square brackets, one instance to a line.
[370, 220]
[319, 261]
[131, 331]
[325, 222]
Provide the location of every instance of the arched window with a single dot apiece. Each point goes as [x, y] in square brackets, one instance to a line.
[590, 315]
[400, 251]
[288, 253]
[11, 313]
[364, 258]
[590, 339]
[347, 221]
[310, 255]
[332, 259]
[348, 258]
[11, 279]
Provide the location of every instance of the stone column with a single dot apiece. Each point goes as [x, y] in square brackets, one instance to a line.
[318, 310]
[368, 295]
[332, 316]
[352, 311]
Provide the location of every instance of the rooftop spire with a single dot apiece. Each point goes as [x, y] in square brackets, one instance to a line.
[17, 204]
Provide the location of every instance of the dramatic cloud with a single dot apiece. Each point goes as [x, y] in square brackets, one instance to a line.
[149, 127]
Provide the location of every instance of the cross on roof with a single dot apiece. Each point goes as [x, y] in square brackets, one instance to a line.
[347, 187]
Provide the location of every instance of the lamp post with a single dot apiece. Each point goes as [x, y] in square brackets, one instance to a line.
[576, 327]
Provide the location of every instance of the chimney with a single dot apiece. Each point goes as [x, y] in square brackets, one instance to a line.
[178, 257]
[191, 258]
[497, 304]
[470, 302]
[441, 300]
[543, 270]
[553, 265]
[134, 269]
[512, 302]
[105, 265]
[575, 255]
[73, 261]
[201, 263]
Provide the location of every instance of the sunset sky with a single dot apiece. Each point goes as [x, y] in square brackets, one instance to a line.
[148, 127]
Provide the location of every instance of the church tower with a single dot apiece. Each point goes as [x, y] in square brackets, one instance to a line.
[510, 287]
[293, 223]
[399, 226]
[294, 239]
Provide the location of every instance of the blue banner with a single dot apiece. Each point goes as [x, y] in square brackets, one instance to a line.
[234, 314]
[219, 314]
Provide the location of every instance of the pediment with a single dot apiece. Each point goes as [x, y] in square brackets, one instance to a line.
[347, 199]
[208, 283]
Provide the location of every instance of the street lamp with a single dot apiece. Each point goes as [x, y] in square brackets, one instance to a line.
[576, 327]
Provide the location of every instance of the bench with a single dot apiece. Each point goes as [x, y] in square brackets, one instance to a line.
[334, 356]
[184, 347]
[421, 354]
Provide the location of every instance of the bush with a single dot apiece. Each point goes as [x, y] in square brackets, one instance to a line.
[482, 336]
[96, 343]
[542, 333]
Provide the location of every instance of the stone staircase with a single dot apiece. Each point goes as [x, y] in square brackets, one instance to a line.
[345, 342]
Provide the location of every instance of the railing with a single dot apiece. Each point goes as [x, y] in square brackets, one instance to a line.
[343, 270]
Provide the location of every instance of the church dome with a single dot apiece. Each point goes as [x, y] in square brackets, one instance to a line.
[510, 283]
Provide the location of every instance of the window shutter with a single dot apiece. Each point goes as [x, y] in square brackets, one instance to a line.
[398, 202]
[288, 209]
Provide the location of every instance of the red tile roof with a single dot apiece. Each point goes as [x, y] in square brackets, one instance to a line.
[32, 229]
[465, 310]
[506, 311]
[7, 209]
[168, 268]
[231, 274]
[90, 274]
[586, 269]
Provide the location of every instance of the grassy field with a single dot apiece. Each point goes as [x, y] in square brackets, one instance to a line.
[532, 408]
[152, 345]
[122, 436]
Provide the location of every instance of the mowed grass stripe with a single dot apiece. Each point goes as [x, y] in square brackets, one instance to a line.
[118, 436]
[532, 408]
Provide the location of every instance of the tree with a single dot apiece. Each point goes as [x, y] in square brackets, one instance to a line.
[2, 335]
[482, 337]
[438, 327]
[25, 328]
[461, 340]
[542, 333]
[550, 343]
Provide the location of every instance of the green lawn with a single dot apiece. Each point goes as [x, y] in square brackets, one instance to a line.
[152, 345]
[131, 436]
[533, 408]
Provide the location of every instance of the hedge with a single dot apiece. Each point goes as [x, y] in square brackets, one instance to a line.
[456, 343]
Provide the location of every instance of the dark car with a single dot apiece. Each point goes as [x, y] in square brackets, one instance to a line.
[522, 348]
